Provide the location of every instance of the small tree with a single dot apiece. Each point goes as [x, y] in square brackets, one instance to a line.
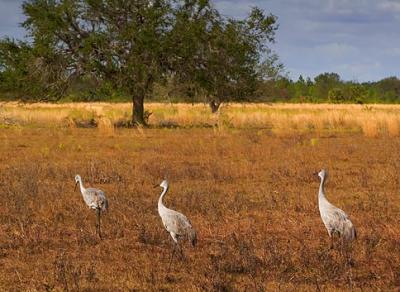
[323, 83]
[301, 88]
[336, 95]
[355, 92]
[228, 56]
[389, 89]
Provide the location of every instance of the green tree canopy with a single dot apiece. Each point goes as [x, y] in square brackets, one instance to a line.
[228, 57]
[27, 75]
[117, 41]
[324, 82]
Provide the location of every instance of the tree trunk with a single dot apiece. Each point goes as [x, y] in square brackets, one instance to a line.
[138, 110]
[139, 117]
[214, 105]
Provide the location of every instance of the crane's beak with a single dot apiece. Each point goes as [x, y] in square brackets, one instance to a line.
[75, 186]
[156, 185]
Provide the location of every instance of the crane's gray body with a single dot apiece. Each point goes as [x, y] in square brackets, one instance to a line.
[177, 224]
[334, 219]
[94, 198]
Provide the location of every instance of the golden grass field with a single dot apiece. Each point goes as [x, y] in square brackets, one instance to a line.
[243, 177]
[280, 119]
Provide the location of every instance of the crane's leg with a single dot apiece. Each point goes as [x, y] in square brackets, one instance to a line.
[334, 234]
[172, 256]
[175, 243]
[181, 253]
[98, 212]
[341, 244]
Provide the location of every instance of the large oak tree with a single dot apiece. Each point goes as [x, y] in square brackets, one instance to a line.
[122, 42]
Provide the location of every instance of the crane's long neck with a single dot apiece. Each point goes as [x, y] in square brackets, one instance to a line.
[81, 186]
[321, 193]
[160, 200]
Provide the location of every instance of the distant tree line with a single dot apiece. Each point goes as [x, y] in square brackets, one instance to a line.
[329, 87]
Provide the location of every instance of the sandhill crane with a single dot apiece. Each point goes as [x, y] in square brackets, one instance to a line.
[178, 226]
[335, 219]
[94, 199]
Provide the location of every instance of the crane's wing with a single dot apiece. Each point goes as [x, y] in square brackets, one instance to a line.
[337, 220]
[344, 225]
[176, 222]
[96, 199]
[180, 225]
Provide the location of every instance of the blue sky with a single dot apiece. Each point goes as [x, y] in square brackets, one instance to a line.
[358, 39]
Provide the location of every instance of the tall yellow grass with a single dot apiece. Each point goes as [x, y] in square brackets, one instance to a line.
[105, 126]
[281, 119]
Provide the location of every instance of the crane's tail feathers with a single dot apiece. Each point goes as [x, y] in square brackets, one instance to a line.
[193, 237]
[350, 232]
[105, 206]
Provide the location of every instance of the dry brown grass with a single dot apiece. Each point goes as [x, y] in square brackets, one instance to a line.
[251, 196]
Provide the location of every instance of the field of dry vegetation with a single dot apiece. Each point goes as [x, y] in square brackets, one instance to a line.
[244, 177]
[281, 120]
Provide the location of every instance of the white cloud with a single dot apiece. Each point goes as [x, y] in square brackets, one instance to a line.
[360, 71]
[232, 8]
[393, 52]
[336, 50]
[389, 6]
